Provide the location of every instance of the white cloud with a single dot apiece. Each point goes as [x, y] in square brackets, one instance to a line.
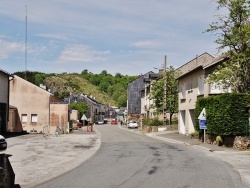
[147, 44]
[81, 53]
[8, 48]
[53, 36]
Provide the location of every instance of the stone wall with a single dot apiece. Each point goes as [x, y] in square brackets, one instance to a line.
[241, 143]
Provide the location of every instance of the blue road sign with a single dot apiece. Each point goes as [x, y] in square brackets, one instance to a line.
[202, 123]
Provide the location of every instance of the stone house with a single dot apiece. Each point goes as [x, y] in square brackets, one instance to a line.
[134, 106]
[96, 110]
[192, 85]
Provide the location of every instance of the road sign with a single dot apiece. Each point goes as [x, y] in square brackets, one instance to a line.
[202, 123]
[83, 117]
[202, 114]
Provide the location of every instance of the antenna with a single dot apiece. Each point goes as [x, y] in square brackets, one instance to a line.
[26, 39]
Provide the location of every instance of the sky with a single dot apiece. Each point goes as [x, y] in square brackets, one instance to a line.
[129, 37]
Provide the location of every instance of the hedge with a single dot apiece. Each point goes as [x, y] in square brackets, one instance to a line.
[226, 114]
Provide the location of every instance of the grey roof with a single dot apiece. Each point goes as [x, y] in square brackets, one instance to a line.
[5, 72]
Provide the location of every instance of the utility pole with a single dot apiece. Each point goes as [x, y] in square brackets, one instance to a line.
[26, 40]
[164, 91]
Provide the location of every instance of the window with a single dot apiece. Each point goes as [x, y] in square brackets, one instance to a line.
[201, 85]
[190, 86]
[24, 118]
[33, 118]
[183, 91]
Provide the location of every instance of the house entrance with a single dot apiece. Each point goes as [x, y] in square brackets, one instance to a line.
[3, 117]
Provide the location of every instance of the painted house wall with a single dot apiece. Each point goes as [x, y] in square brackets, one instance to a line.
[14, 123]
[74, 115]
[186, 115]
[4, 101]
[59, 116]
[4, 91]
[189, 74]
[186, 105]
[30, 100]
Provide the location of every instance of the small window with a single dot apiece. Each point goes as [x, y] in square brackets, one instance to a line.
[33, 118]
[183, 91]
[190, 85]
[24, 118]
[201, 85]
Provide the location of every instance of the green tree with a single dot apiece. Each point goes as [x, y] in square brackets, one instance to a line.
[82, 107]
[157, 93]
[39, 77]
[233, 31]
[122, 100]
[104, 72]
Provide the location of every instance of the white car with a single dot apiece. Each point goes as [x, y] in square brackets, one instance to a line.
[132, 124]
[101, 122]
[3, 143]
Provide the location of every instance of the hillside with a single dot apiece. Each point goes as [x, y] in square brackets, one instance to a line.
[63, 84]
[104, 87]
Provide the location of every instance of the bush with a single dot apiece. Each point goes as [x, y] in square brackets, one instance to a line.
[226, 114]
[194, 134]
[153, 122]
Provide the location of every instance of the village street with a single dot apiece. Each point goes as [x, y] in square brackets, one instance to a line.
[36, 159]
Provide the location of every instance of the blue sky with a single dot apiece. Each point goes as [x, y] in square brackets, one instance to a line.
[121, 36]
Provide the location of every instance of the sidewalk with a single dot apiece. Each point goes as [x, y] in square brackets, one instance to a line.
[174, 136]
[44, 158]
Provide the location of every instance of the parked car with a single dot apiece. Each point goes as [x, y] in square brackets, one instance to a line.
[114, 122]
[100, 122]
[3, 143]
[79, 124]
[105, 121]
[132, 124]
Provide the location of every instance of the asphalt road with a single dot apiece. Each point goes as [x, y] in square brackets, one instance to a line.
[129, 160]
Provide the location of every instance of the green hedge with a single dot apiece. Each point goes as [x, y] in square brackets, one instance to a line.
[226, 114]
[153, 122]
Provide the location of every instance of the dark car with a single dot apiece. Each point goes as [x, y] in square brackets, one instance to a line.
[3, 143]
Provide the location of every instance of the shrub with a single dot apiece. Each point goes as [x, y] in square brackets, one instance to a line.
[153, 122]
[194, 134]
[226, 114]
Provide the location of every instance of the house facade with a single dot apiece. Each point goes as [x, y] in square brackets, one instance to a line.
[35, 108]
[96, 110]
[192, 85]
[134, 101]
[4, 100]
[146, 102]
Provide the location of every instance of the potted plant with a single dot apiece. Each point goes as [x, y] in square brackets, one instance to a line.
[147, 126]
